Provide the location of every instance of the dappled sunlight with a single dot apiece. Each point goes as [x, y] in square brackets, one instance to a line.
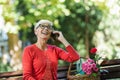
[98, 0]
[66, 12]
[49, 12]
[114, 7]
[15, 60]
[6, 58]
[79, 20]
[36, 13]
[62, 0]
[117, 49]
[115, 10]
[77, 1]
[56, 23]
[17, 65]
[106, 47]
[11, 28]
[21, 18]
[102, 52]
[108, 37]
[16, 48]
[11, 52]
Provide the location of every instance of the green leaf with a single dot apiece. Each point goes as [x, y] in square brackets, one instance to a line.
[94, 74]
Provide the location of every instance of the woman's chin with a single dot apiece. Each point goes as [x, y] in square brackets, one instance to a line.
[45, 38]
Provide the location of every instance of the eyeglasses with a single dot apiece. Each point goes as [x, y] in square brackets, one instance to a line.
[45, 26]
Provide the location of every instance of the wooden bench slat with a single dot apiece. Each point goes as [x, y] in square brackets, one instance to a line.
[110, 62]
[110, 75]
[13, 78]
[11, 74]
[61, 75]
[112, 66]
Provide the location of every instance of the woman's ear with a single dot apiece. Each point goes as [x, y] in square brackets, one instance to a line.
[35, 31]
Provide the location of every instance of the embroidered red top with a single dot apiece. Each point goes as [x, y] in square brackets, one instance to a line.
[42, 65]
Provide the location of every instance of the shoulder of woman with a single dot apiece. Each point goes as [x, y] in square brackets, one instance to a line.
[29, 46]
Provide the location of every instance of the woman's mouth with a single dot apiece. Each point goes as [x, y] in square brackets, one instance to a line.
[45, 33]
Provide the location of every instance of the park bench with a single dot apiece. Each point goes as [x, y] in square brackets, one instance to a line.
[17, 75]
[110, 70]
[113, 68]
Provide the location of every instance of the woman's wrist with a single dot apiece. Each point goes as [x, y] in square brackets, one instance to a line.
[65, 42]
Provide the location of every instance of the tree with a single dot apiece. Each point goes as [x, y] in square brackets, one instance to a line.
[12, 29]
[77, 17]
[78, 20]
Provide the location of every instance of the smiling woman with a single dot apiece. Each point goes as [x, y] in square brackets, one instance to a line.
[40, 59]
[46, 22]
[43, 29]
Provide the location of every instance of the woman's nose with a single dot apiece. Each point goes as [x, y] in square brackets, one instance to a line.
[46, 27]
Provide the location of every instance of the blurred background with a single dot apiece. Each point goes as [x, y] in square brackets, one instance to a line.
[84, 23]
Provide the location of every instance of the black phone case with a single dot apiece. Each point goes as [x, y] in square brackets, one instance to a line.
[54, 36]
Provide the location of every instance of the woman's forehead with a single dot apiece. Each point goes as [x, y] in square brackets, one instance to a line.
[46, 24]
[42, 22]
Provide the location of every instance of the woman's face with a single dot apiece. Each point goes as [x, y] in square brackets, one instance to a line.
[43, 31]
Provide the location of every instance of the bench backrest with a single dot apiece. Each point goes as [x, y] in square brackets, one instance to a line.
[112, 66]
[17, 75]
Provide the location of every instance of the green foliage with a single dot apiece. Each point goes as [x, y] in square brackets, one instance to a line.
[72, 18]
[4, 67]
[78, 20]
[81, 23]
[75, 17]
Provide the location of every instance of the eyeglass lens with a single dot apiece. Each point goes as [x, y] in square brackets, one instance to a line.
[46, 26]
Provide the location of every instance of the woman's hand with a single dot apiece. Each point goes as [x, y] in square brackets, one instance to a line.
[61, 38]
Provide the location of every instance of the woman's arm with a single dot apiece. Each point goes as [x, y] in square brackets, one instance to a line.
[71, 55]
[27, 65]
[61, 38]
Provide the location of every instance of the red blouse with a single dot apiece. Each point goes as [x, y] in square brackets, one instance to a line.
[42, 65]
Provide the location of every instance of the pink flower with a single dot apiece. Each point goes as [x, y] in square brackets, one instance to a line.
[88, 72]
[90, 60]
[93, 50]
[95, 69]
[84, 66]
[93, 65]
[89, 66]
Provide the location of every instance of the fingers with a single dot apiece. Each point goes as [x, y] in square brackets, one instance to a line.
[57, 32]
[54, 32]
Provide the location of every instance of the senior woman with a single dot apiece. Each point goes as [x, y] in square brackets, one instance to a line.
[40, 60]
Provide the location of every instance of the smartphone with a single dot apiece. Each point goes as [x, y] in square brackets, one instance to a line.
[54, 36]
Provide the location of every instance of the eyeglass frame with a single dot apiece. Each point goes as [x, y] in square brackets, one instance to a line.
[41, 26]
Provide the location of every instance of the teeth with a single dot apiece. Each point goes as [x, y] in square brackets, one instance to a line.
[44, 33]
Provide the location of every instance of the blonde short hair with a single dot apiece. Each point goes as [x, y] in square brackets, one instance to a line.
[43, 21]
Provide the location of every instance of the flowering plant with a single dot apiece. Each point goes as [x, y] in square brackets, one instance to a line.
[91, 66]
